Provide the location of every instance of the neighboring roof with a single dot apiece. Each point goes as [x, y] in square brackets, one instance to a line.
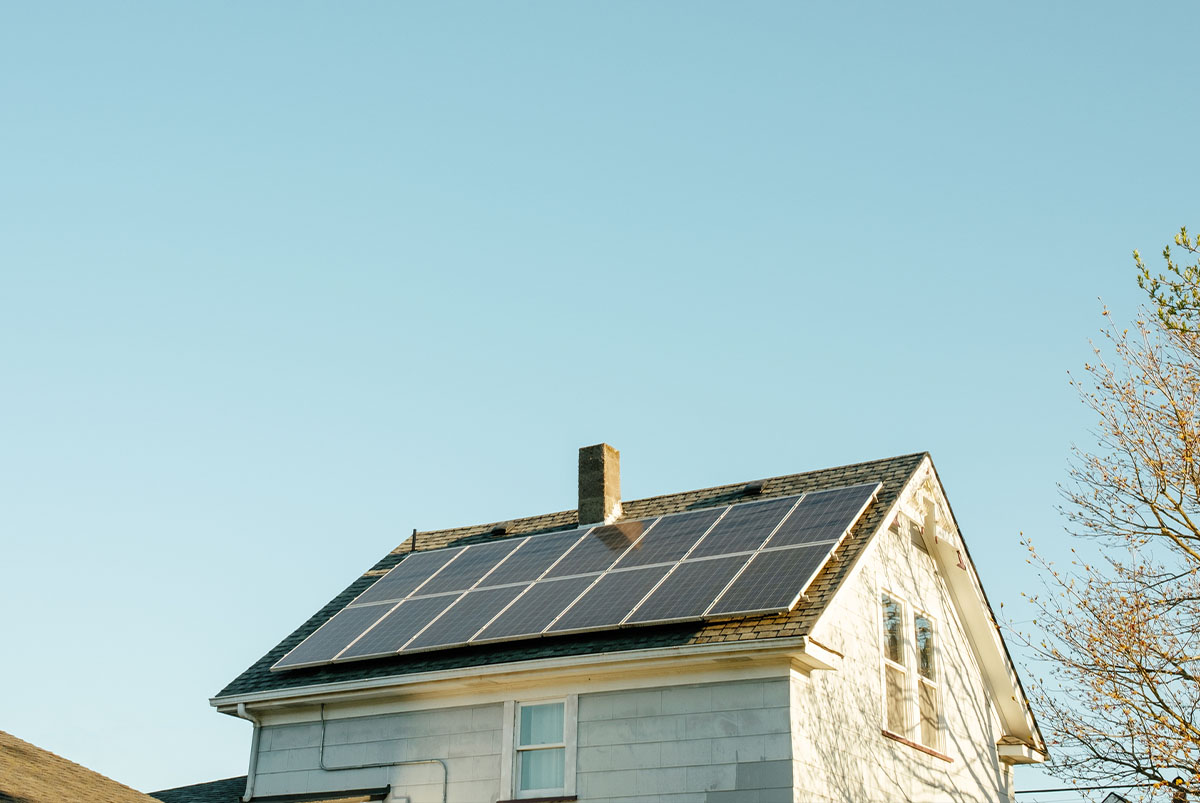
[29, 774]
[892, 473]
[229, 790]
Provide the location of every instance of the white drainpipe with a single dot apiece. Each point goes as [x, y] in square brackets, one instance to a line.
[253, 770]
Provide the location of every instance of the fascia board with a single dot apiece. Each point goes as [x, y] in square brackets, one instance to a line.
[799, 651]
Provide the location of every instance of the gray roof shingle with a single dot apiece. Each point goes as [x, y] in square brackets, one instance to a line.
[227, 790]
[893, 473]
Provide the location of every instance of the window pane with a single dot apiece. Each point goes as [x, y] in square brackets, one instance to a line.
[541, 769]
[929, 714]
[924, 631]
[893, 636]
[541, 724]
[896, 719]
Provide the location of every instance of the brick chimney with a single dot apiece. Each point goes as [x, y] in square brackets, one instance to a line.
[599, 484]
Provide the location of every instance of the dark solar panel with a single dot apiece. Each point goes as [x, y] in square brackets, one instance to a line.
[537, 608]
[410, 573]
[528, 563]
[465, 618]
[399, 626]
[744, 528]
[690, 589]
[773, 580]
[668, 540]
[610, 600]
[333, 636]
[467, 568]
[600, 548]
[823, 516]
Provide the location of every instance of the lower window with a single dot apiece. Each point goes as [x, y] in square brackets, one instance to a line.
[541, 748]
[539, 745]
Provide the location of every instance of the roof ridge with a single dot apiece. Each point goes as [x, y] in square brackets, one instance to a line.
[768, 479]
[645, 499]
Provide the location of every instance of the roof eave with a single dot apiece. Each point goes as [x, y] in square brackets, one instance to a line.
[802, 653]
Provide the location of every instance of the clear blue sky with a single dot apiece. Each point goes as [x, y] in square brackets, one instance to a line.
[281, 281]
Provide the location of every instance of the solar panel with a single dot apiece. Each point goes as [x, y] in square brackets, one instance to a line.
[466, 570]
[689, 590]
[395, 629]
[465, 617]
[747, 558]
[670, 538]
[333, 636]
[600, 548]
[536, 608]
[744, 528]
[416, 568]
[823, 515]
[537, 555]
[610, 600]
[772, 580]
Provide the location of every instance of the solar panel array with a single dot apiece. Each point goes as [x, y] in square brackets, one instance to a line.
[749, 558]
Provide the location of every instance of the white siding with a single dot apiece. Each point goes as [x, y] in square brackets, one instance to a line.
[467, 739]
[708, 743]
[711, 743]
[841, 753]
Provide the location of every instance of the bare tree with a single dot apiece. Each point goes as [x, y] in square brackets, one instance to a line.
[1118, 631]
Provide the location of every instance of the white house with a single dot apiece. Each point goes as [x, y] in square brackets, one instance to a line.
[652, 659]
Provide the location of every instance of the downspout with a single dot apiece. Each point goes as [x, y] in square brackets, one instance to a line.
[254, 740]
[327, 768]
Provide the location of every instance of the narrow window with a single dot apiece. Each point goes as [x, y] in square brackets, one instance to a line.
[927, 692]
[541, 749]
[895, 671]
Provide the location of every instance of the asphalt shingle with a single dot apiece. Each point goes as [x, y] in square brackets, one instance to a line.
[29, 774]
[893, 473]
[228, 790]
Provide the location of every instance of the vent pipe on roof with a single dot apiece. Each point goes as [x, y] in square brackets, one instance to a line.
[599, 484]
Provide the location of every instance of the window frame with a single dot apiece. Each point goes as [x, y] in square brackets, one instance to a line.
[887, 663]
[934, 683]
[511, 748]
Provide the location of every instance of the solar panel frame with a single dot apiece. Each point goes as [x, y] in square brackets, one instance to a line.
[412, 562]
[535, 545]
[425, 609]
[722, 569]
[569, 588]
[336, 628]
[457, 619]
[470, 568]
[626, 581]
[819, 513]
[662, 529]
[815, 555]
[713, 543]
[585, 558]
[833, 545]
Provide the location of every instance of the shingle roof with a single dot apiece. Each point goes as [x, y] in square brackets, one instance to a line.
[228, 790]
[29, 774]
[893, 473]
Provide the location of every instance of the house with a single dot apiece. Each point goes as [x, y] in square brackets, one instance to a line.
[29, 774]
[820, 636]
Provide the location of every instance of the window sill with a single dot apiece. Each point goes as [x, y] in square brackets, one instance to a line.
[916, 746]
[554, 799]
